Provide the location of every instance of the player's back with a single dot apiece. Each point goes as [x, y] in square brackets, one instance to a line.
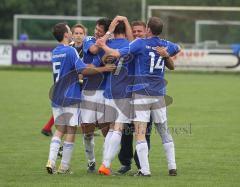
[66, 66]
[149, 61]
[118, 81]
[150, 66]
[62, 61]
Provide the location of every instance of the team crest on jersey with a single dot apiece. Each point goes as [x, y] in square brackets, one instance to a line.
[89, 38]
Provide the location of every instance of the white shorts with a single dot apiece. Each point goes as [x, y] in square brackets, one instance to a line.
[92, 106]
[146, 106]
[118, 110]
[66, 115]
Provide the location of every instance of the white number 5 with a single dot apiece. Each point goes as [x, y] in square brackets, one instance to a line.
[56, 70]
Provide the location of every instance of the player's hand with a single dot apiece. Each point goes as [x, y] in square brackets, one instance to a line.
[162, 51]
[100, 42]
[120, 18]
[113, 24]
[108, 59]
[110, 67]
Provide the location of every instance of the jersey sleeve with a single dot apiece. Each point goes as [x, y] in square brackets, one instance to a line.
[87, 43]
[172, 48]
[135, 47]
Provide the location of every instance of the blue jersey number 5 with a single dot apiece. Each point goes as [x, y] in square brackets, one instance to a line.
[56, 70]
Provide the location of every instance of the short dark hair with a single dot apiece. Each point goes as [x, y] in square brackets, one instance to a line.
[78, 25]
[120, 28]
[138, 23]
[105, 22]
[156, 25]
[58, 31]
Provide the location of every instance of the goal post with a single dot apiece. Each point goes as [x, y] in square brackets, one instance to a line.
[225, 26]
[182, 23]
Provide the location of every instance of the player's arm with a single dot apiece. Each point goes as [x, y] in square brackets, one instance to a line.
[92, 70]
[88, 69]
[169, 63]
[129, 34]
[109, 51]
[94, 49]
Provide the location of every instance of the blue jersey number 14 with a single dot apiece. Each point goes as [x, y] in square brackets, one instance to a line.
[158, 65]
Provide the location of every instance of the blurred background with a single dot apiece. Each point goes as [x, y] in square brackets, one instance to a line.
[194, 24]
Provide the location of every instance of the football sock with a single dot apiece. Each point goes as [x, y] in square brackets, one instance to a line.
[49, 124]
[106, 142]
[142, 151]
[54, 147]
[113, 148]
[170, 155]
[168, 144]
[67, 154]
[88, 141]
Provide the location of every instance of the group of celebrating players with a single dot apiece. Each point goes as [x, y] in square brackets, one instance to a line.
[113, 80]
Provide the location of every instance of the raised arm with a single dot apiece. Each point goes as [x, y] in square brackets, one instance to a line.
[129, 34]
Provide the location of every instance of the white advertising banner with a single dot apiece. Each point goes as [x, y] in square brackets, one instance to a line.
[5, 55]
[207, 59]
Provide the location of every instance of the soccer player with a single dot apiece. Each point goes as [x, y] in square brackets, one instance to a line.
[116, 95]
[78, 34]
[150, 91]
[66, 95]
[92, 106]
[126, 152]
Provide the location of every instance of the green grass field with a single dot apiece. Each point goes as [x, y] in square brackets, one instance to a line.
[207, 151]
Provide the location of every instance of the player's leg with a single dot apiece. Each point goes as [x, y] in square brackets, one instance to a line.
[148, 134]
[71, 126]
[103, 169]
[68, 146]
[54, 148]
[114, 143]
[142, 105]
[119, 108]
[142, 148]
[126, 152]
[56, 139]
[168, 145]
[159, 115]
[88, 142]
[88, 118]
[46, 130]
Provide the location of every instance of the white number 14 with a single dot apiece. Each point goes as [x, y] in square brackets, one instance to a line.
[159, 64]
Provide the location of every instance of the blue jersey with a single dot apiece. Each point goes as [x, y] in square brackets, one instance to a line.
[66, 66]
[92, 82]
[117, 82]
[87, 55]
[149, 65]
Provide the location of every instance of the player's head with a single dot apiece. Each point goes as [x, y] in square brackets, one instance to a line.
[154, 26]
[62, 32]
[78, 33]
[120, 28]
[138, 29]
[101, 27]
